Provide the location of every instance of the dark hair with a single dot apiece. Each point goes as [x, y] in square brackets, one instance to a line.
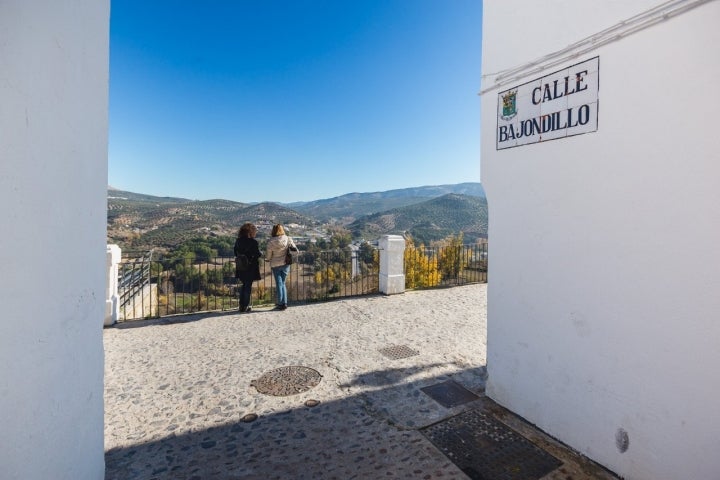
[248, 230]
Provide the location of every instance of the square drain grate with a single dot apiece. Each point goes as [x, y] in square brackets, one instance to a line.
[449, 394]
[396, 352]
[486, 449]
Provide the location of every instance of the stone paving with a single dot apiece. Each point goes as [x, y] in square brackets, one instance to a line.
[180, 400]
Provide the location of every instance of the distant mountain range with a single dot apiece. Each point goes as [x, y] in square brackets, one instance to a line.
[347, 208]
[429, 220]
[139, 221]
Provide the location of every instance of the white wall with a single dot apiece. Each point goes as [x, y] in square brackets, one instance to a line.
[53, 180]
[604, 292]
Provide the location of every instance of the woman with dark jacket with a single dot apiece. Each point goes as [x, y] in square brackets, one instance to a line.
[247, 266]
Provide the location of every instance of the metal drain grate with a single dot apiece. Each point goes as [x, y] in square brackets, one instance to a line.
[485, 449]
[396, 352]
[285, 381]
[449, 394]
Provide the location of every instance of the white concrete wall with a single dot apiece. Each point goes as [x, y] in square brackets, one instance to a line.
[53, 180]
[604, 292]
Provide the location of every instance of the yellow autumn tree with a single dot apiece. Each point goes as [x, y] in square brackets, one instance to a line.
[450, 257]
[331, 274]
[421, 270]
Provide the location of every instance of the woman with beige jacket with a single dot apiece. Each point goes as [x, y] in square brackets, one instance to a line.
[277, 247]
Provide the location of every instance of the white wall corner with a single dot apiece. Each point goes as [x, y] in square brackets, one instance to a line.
[53, 145]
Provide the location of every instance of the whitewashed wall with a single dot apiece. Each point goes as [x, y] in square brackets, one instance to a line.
[604, 292]
[53, 180]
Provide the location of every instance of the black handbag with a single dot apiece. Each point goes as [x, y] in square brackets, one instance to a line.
[288, 257]
[289, 260]
[242, 263]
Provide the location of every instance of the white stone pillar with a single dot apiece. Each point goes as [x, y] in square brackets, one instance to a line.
[392, 271]
[112, 305]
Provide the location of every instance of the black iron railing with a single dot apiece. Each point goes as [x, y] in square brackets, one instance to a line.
[169, 286]
[133, 278]
[156, 286]
[445, 266]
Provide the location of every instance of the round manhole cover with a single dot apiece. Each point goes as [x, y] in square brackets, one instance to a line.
[285, 381]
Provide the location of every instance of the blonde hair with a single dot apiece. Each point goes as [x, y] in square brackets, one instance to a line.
[278, 230]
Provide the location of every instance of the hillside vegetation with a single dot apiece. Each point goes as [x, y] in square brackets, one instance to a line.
[347, 208]
[428, 221]
[142, 222]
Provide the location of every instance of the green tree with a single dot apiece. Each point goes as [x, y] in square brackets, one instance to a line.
[156, 269]
[204, 252]
[228, 270]
[215, 276]
[187, 277]
[340, 238]
[223, 245]
[367, 253]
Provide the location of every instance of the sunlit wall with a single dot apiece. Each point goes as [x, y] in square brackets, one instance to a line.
[53, 180]
[603, 304]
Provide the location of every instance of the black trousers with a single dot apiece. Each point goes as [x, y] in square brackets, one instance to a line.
[245, 292]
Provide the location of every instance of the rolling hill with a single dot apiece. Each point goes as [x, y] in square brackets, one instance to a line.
[347, 208]
[141, 222]
[430, 220]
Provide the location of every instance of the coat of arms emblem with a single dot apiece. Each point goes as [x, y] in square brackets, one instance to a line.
[509, 106]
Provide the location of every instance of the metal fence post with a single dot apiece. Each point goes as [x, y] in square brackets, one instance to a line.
[112, 299]
[392, 272]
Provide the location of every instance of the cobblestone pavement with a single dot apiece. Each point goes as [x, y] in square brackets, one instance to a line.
[181, 400]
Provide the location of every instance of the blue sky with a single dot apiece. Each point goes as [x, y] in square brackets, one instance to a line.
[280, 100]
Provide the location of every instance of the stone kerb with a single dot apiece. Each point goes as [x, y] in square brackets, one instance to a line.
[112, 299]
[392, 272]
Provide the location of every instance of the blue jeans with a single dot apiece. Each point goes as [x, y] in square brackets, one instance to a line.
[280, 274]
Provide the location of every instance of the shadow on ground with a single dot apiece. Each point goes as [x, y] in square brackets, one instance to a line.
[380, 433]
